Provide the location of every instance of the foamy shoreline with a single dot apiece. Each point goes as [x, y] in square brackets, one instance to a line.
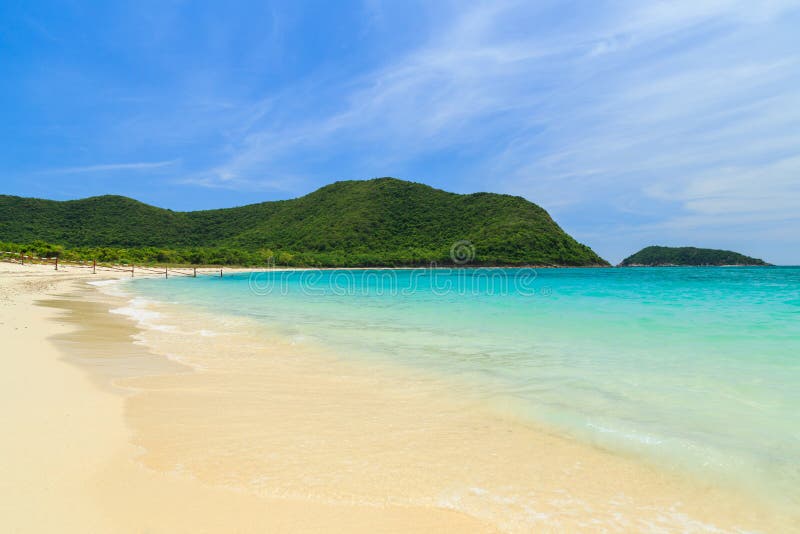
[292, 423]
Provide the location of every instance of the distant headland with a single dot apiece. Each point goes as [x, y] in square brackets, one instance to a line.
[687, 256]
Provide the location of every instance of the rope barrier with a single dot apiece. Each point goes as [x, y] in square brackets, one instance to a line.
[151, 270]
[192, 272]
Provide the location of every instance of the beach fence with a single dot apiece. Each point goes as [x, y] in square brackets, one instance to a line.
[150, 270]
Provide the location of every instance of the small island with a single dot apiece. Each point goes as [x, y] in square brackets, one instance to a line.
[687, 256]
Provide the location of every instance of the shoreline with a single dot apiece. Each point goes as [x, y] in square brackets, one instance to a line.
[147, 445]
[70, 464]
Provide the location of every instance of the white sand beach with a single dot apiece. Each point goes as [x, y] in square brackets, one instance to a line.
[104, 435]
[69, 465]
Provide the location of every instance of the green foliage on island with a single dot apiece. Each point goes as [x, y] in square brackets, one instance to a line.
[379, 222]
[156, 256]
[664, 256]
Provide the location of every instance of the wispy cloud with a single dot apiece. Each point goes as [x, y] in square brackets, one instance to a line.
[470, 74]
[110, 167]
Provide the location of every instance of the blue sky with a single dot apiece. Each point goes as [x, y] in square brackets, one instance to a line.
[633, 123]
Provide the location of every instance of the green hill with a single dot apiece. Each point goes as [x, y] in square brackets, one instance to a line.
[384, 221]
[655, 256]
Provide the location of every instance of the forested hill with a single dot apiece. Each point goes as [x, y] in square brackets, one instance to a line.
[655, 256]
[383, 221]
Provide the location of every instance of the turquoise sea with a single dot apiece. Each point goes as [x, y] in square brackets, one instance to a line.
[693, 369]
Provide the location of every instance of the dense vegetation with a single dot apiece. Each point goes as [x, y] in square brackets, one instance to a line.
[653, 256]
[380, 222]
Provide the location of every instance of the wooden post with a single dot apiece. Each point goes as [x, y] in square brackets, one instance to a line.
[94, 266]
[56, 263]
[195, 272]
[220, 273]
[165, 272]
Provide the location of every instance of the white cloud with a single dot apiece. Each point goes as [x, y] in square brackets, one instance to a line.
[107, 167]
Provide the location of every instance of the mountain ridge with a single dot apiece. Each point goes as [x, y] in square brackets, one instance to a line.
[382, 221]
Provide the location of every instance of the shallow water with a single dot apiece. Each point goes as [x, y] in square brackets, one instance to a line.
[692, 369]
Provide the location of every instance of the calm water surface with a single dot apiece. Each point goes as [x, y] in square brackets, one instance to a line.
[694, 369]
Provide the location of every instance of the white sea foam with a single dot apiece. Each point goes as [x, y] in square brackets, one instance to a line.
[113, 287]
[101, 283]
[139, 309]
[634, 436]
